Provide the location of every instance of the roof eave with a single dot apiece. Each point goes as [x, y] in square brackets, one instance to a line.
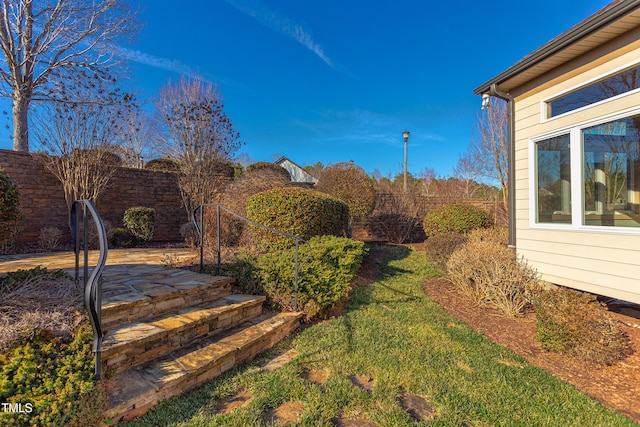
[589, 26]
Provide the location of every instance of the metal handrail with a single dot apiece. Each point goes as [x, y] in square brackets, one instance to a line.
[93, 283]
[199, 211]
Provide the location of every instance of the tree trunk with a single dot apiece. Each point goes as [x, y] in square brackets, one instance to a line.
[20, 123]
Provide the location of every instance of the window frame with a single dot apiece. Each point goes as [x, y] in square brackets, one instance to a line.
[544, 103]
[577, 178]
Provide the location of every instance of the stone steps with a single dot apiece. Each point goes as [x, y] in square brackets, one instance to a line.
[143, 340]
[156, 292]
[137, 389]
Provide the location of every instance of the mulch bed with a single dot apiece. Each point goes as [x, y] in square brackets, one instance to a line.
[616, 387]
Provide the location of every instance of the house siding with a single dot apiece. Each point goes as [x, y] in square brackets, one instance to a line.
[603, 261]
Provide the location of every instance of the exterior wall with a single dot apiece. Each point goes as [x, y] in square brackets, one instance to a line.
[297, 174]
[604, 260]
[42, 198]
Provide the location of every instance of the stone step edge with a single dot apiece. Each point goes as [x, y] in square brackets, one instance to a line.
[116, 313]
[166, 333]
[172, 376]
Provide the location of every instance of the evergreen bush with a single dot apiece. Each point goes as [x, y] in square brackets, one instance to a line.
[327, 266]
[140, 221]
[458, 218]
[11, 216]
[297, 211]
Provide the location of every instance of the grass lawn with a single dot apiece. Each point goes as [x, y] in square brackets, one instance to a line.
[399, 339]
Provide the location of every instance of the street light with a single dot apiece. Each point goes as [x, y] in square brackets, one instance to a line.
[405, 135]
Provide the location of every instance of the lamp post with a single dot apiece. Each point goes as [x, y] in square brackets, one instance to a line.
[405, 135]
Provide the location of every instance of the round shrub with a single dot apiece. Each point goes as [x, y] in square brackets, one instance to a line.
[261, 166]
[455, 219]
[11, 216]
[351, 184]
[297, 211]
[162, 165]
[140, 221]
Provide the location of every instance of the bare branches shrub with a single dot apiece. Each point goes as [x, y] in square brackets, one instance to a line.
[488, 272]
[440, 247]
[49, 238]
[573, 322]
[42, 302]
[398, 216]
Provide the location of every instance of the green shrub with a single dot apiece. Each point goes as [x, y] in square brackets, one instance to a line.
[140, 221]
[487, 271]
[122, 238]
[455, 219]
[573, 322]
[440, 247]
[297, 211]
[11, 216]
[327, 266]
[54, 376]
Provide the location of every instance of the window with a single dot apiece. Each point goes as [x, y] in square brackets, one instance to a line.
[553, 176]
[610, 173]
[589, 176]
[614, 85]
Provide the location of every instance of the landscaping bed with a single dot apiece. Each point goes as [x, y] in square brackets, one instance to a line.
[616, 386]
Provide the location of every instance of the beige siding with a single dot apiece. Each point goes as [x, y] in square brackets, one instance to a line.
[602, 261]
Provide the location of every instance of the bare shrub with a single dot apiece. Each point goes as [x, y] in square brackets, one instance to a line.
[40, 303]
[440, 247]
[398, 216]
[49, 238]
[573, 322]
[487, 271]
[190, 234]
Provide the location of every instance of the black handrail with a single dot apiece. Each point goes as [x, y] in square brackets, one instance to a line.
[199, 211]
[93, 283]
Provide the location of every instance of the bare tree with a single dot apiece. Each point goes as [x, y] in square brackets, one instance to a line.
[138, 138]
[49, 41]
[467, 172]
[489, 147]
[200, 136]
[75, 133]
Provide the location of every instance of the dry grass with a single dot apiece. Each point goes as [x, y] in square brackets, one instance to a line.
[44, 303]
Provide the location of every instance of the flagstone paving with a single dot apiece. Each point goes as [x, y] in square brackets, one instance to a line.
[167, 330]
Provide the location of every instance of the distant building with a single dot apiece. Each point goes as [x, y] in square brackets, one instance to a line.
[298, 174]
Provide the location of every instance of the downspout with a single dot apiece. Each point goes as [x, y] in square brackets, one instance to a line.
[511, 155]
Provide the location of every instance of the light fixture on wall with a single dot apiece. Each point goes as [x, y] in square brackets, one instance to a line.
[486, 101]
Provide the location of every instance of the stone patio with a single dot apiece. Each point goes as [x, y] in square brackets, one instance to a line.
[167, 330]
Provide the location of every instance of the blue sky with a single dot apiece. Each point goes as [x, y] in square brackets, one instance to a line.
[339, 80]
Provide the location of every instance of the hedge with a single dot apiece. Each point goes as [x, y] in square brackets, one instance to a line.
[458, 218]
[327, 265]
[297, 211]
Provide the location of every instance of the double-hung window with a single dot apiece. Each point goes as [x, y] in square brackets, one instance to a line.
[592, 170]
